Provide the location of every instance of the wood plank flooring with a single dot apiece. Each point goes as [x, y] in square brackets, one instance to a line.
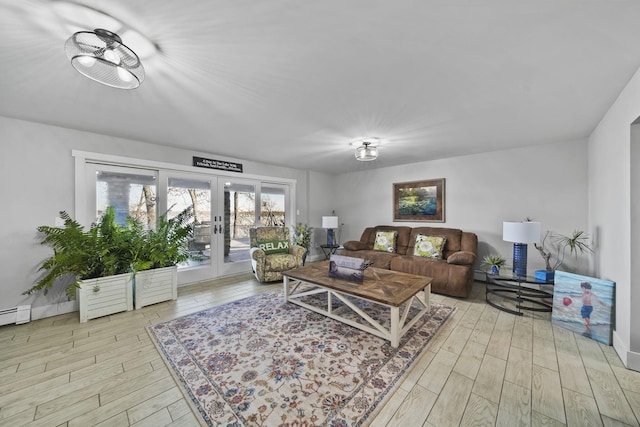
[485, 367]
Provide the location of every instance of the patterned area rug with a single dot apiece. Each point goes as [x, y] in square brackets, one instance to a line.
[261, 362]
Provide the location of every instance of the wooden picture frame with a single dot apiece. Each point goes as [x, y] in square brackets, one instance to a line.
[419, 201]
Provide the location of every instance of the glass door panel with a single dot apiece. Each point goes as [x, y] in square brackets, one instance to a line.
[130, 191]
[182, 192]
[272, 205]
[239, 216]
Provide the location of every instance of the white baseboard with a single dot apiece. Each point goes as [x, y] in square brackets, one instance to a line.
[53, 309]
[630, 359]
[633, 361]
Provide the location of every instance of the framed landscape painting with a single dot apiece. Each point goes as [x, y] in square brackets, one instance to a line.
[419, 201]
[584, 305]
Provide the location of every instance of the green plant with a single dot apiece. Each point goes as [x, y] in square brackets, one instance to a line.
[103, 250]
[109, 248]
[494, 261]
[553, 247]
[167, 245]
[302, 235]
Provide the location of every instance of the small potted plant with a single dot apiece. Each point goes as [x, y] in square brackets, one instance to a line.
[302, 237]
[494, 262]
[553, 249]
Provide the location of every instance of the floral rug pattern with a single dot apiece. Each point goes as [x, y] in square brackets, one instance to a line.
[261, 362]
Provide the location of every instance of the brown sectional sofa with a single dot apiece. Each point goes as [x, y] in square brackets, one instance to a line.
[452, 275]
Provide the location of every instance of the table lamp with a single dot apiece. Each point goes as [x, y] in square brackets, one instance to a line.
[521, 234]
[330, 222]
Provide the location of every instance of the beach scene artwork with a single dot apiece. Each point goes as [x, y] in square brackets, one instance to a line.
[584, 305]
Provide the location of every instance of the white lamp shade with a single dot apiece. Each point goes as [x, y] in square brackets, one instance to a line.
[329, 222]
[521, 232]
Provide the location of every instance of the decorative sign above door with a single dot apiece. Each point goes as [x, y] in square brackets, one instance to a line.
[202, 162]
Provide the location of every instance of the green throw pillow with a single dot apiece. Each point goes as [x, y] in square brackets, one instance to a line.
[274, 246]
[429, 246]
[385, 241]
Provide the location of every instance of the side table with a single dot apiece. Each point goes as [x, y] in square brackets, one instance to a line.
[328, 250]
[522, 292]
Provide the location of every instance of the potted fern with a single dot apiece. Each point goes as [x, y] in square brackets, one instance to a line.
[95, 264]
[104, 264]
[161, 250]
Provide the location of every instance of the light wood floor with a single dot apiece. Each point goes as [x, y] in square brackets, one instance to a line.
[485, 367]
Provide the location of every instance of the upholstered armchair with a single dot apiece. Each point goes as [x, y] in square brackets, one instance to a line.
[272, 253]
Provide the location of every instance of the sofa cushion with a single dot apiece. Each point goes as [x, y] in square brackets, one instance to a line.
[429, 246]
[453, 236]
[380, 259]
[462, 258]
[355, 245]
[402, 240]
[274, 246]
[280, 262]
[385, 241]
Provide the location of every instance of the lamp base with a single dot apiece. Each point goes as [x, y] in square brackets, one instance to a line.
[520, 259]
[330, 239]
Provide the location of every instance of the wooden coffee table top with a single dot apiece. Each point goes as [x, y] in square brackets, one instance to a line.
[379, 285]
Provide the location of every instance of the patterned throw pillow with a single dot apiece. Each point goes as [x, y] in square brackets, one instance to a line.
[385, 241]
[429, 246]
[274, 246]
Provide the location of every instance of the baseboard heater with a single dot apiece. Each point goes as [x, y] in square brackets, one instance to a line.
[18, 315]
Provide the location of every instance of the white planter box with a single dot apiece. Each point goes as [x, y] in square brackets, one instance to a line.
[105, 295]
[154, 286]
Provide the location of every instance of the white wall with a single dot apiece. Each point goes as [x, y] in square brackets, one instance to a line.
[612, 192]
[36, 169]
[547, 183]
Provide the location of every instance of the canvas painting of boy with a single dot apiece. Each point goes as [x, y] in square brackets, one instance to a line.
[584, 305]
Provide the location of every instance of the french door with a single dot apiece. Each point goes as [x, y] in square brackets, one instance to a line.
[224, 209]
[182, 191]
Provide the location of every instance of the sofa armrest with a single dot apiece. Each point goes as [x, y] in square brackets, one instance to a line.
[297, 250]
[355, 245]
[256, 253]
[462, 258]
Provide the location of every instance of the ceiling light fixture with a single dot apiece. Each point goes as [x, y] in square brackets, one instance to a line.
[366, 152]
[101, 56]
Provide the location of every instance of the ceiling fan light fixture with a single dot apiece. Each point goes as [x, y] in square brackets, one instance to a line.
[101, 56]
[366, 152]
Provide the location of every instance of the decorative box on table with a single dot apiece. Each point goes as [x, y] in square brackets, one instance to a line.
[544, 275]
[348, 268]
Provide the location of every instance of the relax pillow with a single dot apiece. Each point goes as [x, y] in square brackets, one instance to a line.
[429, 246]
[385, 241]
[274, 246]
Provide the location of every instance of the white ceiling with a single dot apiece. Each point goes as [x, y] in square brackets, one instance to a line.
[294, 82]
